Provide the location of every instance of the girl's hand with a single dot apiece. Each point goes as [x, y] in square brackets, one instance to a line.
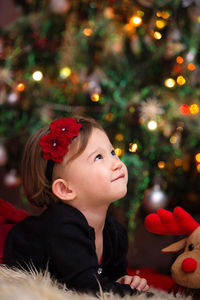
[135, 282]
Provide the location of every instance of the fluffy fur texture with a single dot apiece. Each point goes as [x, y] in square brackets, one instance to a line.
[20, 285]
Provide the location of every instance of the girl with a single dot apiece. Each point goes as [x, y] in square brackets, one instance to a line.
[72, 169]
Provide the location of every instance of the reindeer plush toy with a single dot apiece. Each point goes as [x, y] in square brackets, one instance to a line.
[186, 268]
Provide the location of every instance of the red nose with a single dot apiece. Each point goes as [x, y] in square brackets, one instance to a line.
[189, 264]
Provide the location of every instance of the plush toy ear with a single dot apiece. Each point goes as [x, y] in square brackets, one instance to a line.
[175, 247]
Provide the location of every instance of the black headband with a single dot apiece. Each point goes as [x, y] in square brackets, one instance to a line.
[49, 170]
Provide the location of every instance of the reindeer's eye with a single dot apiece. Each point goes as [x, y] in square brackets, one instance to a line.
[190, 247]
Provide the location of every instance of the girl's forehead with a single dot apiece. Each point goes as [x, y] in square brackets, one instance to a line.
[97, 138]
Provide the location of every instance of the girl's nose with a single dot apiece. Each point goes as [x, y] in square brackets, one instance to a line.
[189, 264]
[117, 163]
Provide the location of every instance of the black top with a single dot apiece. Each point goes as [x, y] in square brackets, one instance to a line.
[61, 240]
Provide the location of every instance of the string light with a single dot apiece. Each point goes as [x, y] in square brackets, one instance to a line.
[87, 31]
[184, 109]
[118, 151]
[109, 117]
[197, 158]
[159, 14]
[37, 75]
[194, 109]
[160, 24]
[173, 139]
[136, 21]
[119, 137]
[180, 80]
[133, 147]
[109, 12]
[178, 162]
[161, 164]
[128, 27]
[169, 82]
[191, 67]
[140, 13]
[95, 97]
[152, 125]
[65, 72]
[179, 60]
[131, 109]
[20, 87]
[163, 14]
[198, 168]
[157, 35]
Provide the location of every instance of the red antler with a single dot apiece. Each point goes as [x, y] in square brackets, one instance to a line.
[166, 222]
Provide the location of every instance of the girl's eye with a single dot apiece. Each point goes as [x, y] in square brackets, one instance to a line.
[113, 152]
[98, 157]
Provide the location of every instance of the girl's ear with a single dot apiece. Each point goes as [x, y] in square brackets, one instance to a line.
[61, 189]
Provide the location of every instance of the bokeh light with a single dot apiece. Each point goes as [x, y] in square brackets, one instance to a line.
[37, 75]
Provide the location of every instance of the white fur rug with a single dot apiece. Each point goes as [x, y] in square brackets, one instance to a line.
[20, 285]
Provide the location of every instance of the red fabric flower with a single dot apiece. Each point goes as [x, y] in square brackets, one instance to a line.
[67, 126]
[55, 144]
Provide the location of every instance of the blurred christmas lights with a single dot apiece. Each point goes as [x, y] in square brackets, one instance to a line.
[20, 87]
[160, 24]
[119, 151]
[194, 109]
[197, 158]
[119, 137]
[184, 109]
[169, 82]
[178, 162]
[37, 75]
[65, 72]
[163, 14]
[95, 97]
[109, 117]
[152, 125]
[136, 21]
[133, 147]
[180, 80]
[157, 35]
[191, 67]
[131, 109]
[87, 31]
[179, 60]
[173, 139]
[161, 164]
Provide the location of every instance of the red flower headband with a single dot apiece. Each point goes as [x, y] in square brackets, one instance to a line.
[55, 144]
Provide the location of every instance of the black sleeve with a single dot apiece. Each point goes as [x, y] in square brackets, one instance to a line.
[73, 261]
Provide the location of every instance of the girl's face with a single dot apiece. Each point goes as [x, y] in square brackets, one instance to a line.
[97, 175]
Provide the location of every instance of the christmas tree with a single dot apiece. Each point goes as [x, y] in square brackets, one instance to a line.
[132, 65]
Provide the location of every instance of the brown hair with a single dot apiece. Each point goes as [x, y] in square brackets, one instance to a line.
[36, 186]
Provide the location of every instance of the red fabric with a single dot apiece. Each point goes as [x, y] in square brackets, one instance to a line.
[55, 143]
[166, 222]
[100, 261]
[154, 279]
[189, 264]
[9, 216]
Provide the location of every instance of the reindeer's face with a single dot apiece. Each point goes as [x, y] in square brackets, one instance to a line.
[186, 268]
